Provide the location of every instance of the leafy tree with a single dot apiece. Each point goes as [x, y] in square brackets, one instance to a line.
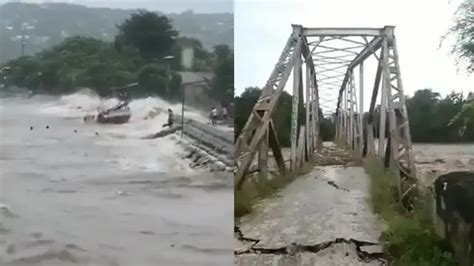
[151, 34]
[466, 115]
[154, 78]
[430, 116]
[243, 106]
[420, 108]
[223, 87]
[76, 62]
[463, 30]
[281, 115]
[222, 52]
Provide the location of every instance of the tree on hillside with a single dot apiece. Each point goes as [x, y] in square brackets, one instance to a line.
[76, 62]
[223, 87]
[151, 34]
[222, 52]
[463, 30]
[153, 78]
[281, 115]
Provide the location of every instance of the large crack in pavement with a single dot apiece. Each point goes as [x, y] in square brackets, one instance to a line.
[296, 248]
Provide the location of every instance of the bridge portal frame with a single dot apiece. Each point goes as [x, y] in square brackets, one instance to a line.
[355, 129]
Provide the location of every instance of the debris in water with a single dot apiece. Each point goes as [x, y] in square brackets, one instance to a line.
[6, 210]
[31, 128]
[147, 232]
[97, 133]
[75, 130]
[122, 193]
[47, 127]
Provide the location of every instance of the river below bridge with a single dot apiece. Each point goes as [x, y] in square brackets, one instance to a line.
[76, 194]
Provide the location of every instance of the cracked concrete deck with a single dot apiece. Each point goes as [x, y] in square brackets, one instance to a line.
[329, 203]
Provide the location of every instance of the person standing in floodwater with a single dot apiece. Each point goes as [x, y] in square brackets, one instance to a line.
[170, 119]
[213, 116]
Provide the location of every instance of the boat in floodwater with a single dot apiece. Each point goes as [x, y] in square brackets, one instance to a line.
[117, 115]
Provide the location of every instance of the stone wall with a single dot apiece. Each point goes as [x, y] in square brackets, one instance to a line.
[205, 146]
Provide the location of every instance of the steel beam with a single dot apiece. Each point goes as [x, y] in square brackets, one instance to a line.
[310, 32]
[370, 49]
[294, 111]
[361, 107]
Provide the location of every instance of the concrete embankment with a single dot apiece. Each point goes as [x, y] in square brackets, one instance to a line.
[206, 146]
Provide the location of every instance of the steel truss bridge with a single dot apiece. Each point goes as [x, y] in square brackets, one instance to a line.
[332, 60]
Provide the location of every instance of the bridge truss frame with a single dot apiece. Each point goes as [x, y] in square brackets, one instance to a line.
[354, 128]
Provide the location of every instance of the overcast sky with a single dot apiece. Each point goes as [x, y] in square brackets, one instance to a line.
[263, 26]
[166, 6]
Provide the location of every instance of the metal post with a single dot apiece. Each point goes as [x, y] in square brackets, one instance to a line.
[168, 79]
[308, 126]
[361, 107]
[383, 108]
[294, 114]
[182, 110]
[22, 44]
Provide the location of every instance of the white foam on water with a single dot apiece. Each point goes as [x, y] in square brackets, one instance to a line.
[86, 101]
[128, 136]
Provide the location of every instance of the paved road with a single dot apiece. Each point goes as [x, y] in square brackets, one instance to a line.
[322, 218]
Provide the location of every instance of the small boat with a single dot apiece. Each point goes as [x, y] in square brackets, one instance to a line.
[119, 115]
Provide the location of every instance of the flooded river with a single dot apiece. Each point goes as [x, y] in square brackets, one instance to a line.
[77, 194]
[433, 160]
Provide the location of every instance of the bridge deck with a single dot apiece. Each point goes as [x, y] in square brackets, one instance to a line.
[321, 212]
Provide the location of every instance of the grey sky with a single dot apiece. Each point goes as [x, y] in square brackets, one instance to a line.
[263, 26]
[167, 6]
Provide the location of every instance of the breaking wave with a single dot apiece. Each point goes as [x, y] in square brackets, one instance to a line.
[148, 114]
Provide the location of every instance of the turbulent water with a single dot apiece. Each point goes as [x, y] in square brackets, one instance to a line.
[89, 194]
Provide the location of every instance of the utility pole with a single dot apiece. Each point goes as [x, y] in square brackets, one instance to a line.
[22, 44]
[187, 57]
[24, 27]
[168, 74]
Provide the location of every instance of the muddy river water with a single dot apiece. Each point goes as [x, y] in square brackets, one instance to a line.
[76, 194]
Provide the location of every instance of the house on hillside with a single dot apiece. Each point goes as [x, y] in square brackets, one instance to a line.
[197, 89]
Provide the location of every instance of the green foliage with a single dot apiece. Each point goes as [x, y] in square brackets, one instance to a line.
[463, 30]
[465, 115]
[153, 78]
[54, 22]
[77, 62]
[151, 34]
[431, 118]
[223, 87]
[243, 107]
[222, 52]
[281, 115]
[99, 65]
[409, 238]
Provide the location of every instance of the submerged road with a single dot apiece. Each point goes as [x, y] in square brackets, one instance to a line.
[322, 218]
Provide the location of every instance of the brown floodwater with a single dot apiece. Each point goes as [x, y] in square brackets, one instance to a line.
[76, 194]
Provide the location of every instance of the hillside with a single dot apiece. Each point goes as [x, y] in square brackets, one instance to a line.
[53, 22]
